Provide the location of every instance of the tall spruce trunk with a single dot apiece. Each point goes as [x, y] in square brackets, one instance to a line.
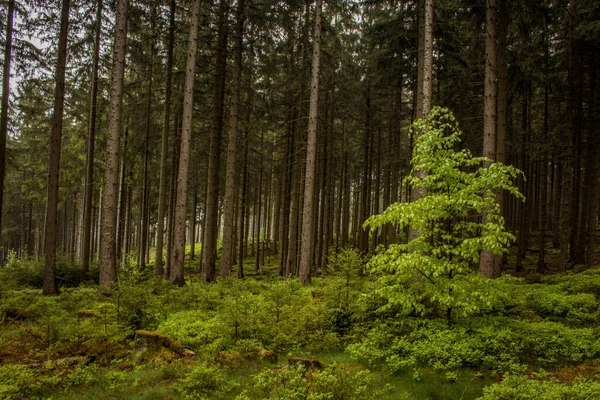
[541, 265]
[502, 28]
[594, 177]
[176, 273]
[164, 150]
[5, 100]
[307, 247]
[230, 200]
[145, 219]
[108, 251]
[89, 162]
[209, 242]
[425, 105]
[243, 207]
[567, 140]
[487, 262]
[49, 286]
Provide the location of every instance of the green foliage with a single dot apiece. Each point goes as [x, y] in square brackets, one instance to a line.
[522, 388]
[17, 380]
[428, 272]
[204, 382]
[498, 344]
[334, 382]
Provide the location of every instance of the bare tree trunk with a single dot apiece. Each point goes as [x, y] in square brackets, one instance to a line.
[502, 28]
[487, 262]
[568, 187]
[230, 200]
[594, 193]
[108, 261]
[243, 225]
[53, 173]
[172, 195]
[346, 202]
[420, 58]
[144, 220]
[363, 237]
[121, 219]
[176, 273]
[258, 206]
[427, 90]
[5, 101]
[285, 190]
[311, 156]
[193, 224]
[164, 150]
[212, 187]
[541, 266]
[89, 175]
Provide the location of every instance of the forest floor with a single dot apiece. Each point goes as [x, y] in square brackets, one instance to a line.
[533, 337]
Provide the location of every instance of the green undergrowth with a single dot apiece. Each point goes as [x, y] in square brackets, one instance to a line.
[270, 338]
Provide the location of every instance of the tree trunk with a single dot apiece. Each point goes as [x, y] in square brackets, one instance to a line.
[541, 266]
[311, 156]
[243, 225]
[5, 101]
[594, 177]
[569, 135]
[164, 150]
[502, 28]
[53, 173]
[89, 174]
[144, 220]
[176, 273]
[487, 262]
[212, 187]
[228, 243]
[427, 91]
[121, 218]
[108, 261]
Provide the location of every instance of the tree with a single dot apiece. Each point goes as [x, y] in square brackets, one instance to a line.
[55, 144]
[176, 276]
[209, 242]
[308, 212]
[426, 269]
[89, 174]
[5, 98]
[108, 234]
[427, 90]
[487, 262]
[228, 243]
[164, 150]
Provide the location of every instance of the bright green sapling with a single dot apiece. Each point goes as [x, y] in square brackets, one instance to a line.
[434, 273]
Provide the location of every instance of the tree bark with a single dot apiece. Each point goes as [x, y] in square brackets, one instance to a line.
[176, 273]
[568, 187]
[144, 219]
[5, 100]
[243, 206]
[228, 243]
[311, 156]
[164, 150]
[427, 90]
[108, 261]
[594, 175]
[487, 262]
[212, 187]
[49, 286]
[89, 174]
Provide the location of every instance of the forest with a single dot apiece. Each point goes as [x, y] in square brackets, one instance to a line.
[300, 200]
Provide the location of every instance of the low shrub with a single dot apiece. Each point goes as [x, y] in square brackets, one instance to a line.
[522, 388]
